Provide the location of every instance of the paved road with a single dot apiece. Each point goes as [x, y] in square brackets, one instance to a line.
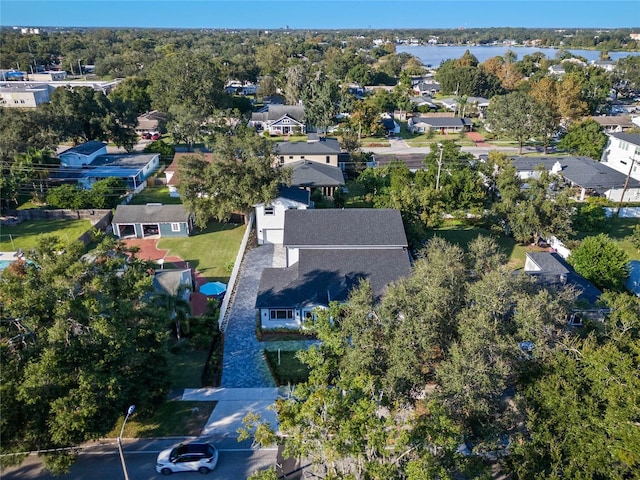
[102, 462]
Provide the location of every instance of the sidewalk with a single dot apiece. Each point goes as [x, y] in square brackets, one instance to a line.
[233, 405]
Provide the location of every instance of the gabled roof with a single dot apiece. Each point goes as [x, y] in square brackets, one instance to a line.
[554, 264]
[295, 194]
[627, 137]
[546, 264]
[169, 281]
[322, 146]
[615, 120]
[275, 112]
[582, 171]
[150, 213]
[358, 227]
[314, 174]
[86, 148]
[322, 276]
[443, 122]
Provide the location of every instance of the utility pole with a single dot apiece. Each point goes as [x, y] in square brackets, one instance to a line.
[439, 166]
[626, 184]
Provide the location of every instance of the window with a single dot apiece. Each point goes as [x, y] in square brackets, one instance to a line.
[281, 160]
[269, 210]
[301, 157]
[284, 314]
[175, 227]
[328, 159]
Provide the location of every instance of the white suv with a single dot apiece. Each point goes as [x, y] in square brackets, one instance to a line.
[187, 457]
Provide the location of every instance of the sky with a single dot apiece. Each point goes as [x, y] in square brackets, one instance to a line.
[322, 14]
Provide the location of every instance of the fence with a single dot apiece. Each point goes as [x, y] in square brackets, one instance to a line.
[625, 212]
[94, 215]
[223, 318]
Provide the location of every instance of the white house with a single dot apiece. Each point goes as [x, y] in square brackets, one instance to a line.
[270, 217]
[82, 154]
[622, 153]
[279, 119]
[583, 173]
[328, 253]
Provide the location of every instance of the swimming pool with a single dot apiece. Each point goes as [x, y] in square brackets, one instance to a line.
[5, 263]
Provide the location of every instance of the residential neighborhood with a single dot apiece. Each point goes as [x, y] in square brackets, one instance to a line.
[294, 254]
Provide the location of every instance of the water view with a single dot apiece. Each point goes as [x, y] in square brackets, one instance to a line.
[434, 55]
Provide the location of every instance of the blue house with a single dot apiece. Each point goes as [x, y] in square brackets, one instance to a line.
[152, 220]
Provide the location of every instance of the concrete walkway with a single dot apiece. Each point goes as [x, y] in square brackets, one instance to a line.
[233, 405]
[247, 384]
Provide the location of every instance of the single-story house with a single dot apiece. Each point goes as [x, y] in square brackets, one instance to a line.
[174, 282]
[622, 153]
[472, 105]
[316, 149]
[152, 121]
[82, 154]
[151, 220]
[171, 172]
[236, 87]
[550, 269]
[391, 127]
[270, 217]
[613, 124]
[133, 168]
[279, 119]
[584, 173]
[430, 88]
[328, 252]
[312, 176]
[422, 124]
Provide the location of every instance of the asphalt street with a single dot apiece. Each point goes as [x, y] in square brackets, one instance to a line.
[102, 462]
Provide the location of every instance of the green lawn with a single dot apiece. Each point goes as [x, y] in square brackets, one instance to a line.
[288, 369]
[171, 419]
[619, 229]
[462, 235]
[186, 368]
[26, 234]
[155, 195]
[212, 252]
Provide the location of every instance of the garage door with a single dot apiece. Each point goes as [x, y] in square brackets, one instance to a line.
[273, 235]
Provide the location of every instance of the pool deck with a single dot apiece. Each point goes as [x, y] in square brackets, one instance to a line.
[8, 256]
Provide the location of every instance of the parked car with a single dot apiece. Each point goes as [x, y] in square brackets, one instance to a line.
[155, 136]
[146, 136]
[188, 457]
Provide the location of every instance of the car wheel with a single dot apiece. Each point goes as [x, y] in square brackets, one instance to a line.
[166, 471]
[204, 470]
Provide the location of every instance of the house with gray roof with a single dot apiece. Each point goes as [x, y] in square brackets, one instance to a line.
[328, 253]
[622, 153]
[314, 176]
[279, 119]
[425, 123]
[551, 270]
[317, 149]
[151, 220]
[82, 154]
[590, 177]
[132, 168]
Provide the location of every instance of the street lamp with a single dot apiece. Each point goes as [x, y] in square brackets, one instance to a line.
[124, 466]
[440, 146]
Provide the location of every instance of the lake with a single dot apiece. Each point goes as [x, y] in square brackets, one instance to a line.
[434, 55]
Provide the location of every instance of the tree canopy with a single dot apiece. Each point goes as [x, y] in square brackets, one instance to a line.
[242, 174]
[80, 343]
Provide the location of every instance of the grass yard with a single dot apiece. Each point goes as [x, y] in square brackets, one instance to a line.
[171, 419]
[288, 370]
[26, 234]
[186, 368]
[619, 229]
[212, 251]
[462, 235]
[155, 195]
